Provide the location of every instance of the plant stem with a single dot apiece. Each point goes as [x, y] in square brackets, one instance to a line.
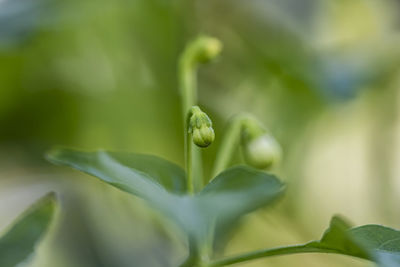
[230, 141]
[269, 253]
[200, 51]
[193, 257]
[189, 159]
[188, 84]
[188, 88]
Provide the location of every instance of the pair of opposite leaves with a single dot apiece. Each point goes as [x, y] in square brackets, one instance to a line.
[231, 194]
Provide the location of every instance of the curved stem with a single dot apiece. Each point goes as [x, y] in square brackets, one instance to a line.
[188, 89]
[271, 252]
[200, 51]
[230, 142]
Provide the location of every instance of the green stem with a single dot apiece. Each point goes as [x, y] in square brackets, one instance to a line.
[188, 88]
[230, 142]
[194, 256]
[188, 84]
[200, 51]
[199, 253]
[271, 252]
[189, 162]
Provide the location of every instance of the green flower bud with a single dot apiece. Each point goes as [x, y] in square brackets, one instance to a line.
[203, 50]
[208, 49]
[260, 149]
[262, 152]
[200, 126]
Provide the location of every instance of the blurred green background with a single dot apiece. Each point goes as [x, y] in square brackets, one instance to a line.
[323, 75]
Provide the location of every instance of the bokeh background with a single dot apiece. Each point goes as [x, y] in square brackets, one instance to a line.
[323, 75]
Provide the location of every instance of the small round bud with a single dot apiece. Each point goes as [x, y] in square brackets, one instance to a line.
[260, 149]
[262, 152]
[202, 50]
[200, 126]
[208, 49]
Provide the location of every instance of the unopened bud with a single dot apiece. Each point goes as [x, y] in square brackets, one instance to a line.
[203, 49]
[262, 152]
[208, 49]
[260, 149]
[200, 126]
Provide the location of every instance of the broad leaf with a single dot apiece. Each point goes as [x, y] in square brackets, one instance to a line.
[338, 240]
[19, 242]
[141, 175]
[239, 190]
[372, 242]
[231, 194]
[382, 242]
[234, 192]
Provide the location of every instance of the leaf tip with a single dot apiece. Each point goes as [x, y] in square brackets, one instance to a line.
[52, 154]
[48, 201]
[338, 219]
[57, 155]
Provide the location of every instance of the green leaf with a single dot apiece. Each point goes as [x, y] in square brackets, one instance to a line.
[231, 194]
[235, 192]
[337, 239]
[240, 190]
[141, 175]
[382, 242]
[372, 242]
[19, 242]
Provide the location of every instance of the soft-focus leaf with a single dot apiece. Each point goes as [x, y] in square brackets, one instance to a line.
[372, 242]
[19, 242]
[231, 194]
[382, 242]
[239, 190]
[375, 242]
[141, 175]
[234, 192]
[338, 239]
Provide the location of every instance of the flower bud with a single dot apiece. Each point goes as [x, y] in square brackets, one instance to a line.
[260, 149]
[203, 49]
[263, 152]
[200, 126]
[209, 48]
